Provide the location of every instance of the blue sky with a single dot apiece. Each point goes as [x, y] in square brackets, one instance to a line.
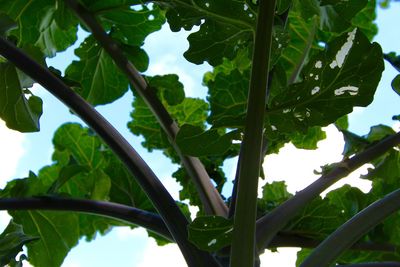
[122, 247]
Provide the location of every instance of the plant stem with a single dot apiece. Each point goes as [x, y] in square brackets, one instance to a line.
[270, 224]
[162, 200]
[210, 197]
[148, 220]
[351, 231]
[243, 242]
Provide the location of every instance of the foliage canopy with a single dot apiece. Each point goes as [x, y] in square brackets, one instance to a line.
[282, 70]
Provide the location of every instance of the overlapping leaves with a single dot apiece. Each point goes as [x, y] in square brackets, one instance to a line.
[52, 31]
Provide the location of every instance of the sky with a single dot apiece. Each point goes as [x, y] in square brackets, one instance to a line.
[132, 248]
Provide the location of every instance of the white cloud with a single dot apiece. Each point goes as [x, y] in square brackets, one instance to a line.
[125, 232]
[296, 166]
[168, 255]
[283, 257]
[12, 149]
[168, 64]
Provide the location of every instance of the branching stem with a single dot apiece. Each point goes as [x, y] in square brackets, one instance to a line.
[273, 222]
[148, 220]
[346, 235]
[162, 200]
[211, 199]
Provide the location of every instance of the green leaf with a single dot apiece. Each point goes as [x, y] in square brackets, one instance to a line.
[282, 6]
[214, 41]
[66, 173]
[124, 188]
[54, 30]
[20, 113]
[365, 20]
[101, 80]
[210, 233]
[83, 147]
[349, 200]
[226, 28]
[228, 99]
[309, 222]
[393, 59]
[336, 15]
[345, 75]
[396, 84]
[378, 132]
[308, 140]
[12, 240]
[184, 110]
[301, 34]
[131, 26]
[193, 141]
[58, 232]
[168, 87]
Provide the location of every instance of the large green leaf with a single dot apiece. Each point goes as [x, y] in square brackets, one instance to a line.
[57, 233]
[53, 30]
[345, 75]
[12, 240]
[18, 107]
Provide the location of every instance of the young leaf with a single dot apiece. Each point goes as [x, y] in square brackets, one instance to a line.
[210, 233]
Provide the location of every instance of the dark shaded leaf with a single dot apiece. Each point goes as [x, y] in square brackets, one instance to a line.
[129, 25]
[19, 111]
[193, 141]
[12, 240]
[393, 59]
[54, 30]
[210, 233]
[345, 75]
[225, 29]
[396, 84]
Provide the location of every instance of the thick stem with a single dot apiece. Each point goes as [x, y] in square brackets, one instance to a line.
[148, 220]
[162, 200]
[211, 199]
[346, 235]
[271, 223]
[243, 242]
